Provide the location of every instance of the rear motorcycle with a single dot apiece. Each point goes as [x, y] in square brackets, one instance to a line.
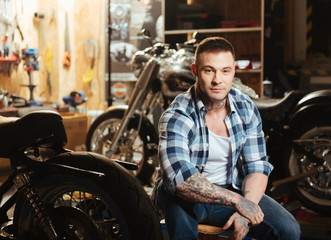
[54, 193]
[298, 136]
[129, 132]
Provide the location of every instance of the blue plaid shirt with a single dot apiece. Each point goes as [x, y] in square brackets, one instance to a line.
[184, 140]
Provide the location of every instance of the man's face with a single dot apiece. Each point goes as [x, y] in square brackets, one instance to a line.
[215, 72]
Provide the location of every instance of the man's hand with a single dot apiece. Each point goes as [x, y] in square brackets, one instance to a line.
[250, 210]
[240, 226]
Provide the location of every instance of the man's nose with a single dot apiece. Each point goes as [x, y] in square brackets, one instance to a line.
[218, 78]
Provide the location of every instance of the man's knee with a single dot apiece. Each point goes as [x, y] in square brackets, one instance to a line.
[290, 231]
[282, 222]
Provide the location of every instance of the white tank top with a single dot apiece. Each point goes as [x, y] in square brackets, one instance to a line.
[217, 169]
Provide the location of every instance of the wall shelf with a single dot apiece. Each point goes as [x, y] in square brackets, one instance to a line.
[183, 19]
[219, 30]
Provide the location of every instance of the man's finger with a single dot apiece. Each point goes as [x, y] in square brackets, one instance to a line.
[257, 220]
[228, 223]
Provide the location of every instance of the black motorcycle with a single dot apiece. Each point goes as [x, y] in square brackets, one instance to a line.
[298, 136]
[129, 132]
[54, 193]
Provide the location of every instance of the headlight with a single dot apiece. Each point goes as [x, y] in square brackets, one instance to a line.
[139, 61]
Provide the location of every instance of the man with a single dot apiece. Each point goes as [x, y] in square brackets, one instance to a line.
[214, 168]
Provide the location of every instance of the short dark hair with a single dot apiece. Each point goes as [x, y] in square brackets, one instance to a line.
[212, 44]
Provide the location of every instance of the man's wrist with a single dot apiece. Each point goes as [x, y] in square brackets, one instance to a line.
[236, 199]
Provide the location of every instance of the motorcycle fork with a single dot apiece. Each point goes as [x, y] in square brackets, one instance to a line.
[147, 110]
[139, 93]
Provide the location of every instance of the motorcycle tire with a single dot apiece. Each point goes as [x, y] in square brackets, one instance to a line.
[312, 191]
[114, 206]
[139, 148]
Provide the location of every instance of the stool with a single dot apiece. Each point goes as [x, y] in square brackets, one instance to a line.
[208, 232]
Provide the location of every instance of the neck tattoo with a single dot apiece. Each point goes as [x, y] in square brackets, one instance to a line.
[218, 106]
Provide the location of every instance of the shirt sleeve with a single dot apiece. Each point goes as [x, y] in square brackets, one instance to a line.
[254, 152]
[175, 130]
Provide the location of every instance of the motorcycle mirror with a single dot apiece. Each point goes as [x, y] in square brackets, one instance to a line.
[147, 35]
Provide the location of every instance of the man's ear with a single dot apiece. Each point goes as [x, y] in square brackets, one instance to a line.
[194, 70]
[234, 69]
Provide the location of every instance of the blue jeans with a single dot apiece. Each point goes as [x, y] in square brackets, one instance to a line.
[182, 219]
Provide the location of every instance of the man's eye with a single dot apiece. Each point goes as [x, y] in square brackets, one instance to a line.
[226, 71]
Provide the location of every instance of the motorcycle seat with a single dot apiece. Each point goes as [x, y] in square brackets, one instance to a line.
[276, 109]
[39, 128]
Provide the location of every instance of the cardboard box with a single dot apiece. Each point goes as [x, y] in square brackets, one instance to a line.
[76, 126]
[5, 169]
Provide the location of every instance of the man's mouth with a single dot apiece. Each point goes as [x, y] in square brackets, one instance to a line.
[217, 89]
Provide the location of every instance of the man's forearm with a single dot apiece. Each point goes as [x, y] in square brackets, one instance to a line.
[199, 190]
[254, 186]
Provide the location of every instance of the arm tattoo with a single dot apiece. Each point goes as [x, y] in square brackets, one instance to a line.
[198, 189]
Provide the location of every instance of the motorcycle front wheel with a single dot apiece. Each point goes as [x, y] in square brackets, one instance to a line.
[313, 191]
[86, 210]
[139, 147]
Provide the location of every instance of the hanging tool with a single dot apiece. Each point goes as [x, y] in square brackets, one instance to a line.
[40, 16]
[88, 77]
[48, 65]
[16, 26]
[66, 57]
[91, 48]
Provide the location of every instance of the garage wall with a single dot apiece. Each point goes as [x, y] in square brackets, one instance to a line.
[300, 8]
[86, 21]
